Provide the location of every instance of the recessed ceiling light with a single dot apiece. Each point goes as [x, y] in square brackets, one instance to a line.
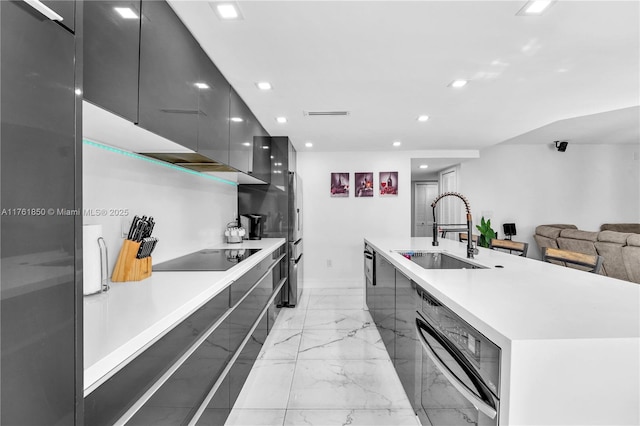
[264, 85]
[78, 92]
[228, 10]
[281, 120]
[126, 13]
[246, 143]
[308, 144]
[423, 118]
[458, 83]
[237, 119]
[201, 85]
[397, 143]
[424, 166]
[534, 7]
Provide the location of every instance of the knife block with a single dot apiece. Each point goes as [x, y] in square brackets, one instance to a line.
[128, 267]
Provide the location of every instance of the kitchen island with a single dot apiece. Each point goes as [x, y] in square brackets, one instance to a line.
[569, 340]
[131, 316]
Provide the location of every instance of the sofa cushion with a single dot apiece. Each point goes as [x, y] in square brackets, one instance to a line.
[614, 237]
[630, 256]
[576, 240]
[552, 231]
[621, 227]
[633, 240]
[613, 265]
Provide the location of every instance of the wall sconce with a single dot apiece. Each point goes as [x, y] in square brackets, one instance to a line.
[561, 146]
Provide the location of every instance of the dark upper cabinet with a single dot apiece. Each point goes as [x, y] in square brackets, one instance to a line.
[39, 154]
[280, 161]
[170, 60]
[249, 145]
[262, 156]
[111, 57]
[213, 120]
[240, 134]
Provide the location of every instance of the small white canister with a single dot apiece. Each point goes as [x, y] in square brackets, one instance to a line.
[94, 260]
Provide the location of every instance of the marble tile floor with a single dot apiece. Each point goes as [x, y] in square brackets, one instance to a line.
[324, 364]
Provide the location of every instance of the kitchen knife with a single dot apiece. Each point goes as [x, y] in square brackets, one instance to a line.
[132, 228]
[153, 246]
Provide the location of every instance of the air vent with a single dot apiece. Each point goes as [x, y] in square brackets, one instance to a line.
[325, 113]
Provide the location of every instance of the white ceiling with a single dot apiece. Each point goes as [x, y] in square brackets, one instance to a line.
[387, 62]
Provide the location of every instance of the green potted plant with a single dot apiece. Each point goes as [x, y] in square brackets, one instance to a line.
[486, 233]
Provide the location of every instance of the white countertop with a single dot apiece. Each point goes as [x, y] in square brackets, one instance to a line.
[526, 299]
[570, 339]
[122, 322]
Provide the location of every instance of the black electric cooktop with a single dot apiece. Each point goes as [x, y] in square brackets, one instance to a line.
[206, 260]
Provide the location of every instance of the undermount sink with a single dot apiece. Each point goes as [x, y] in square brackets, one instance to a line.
[437, 260]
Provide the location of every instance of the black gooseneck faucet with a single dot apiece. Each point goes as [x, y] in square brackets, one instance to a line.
[470, 250]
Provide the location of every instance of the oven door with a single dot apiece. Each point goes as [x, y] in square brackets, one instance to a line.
[452, 392]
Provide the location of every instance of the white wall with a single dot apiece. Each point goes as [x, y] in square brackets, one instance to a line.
[191, 212]
[531, 185]
[527, 184]
[335, 228]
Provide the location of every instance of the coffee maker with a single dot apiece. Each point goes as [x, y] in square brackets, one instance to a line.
[254, 224]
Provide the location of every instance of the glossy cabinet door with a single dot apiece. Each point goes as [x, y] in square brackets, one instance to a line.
[39, 155]
[262, 154]
[111, 56]
[407, 346]
[213, 120]
[170, 61]
[385, 304]
[240, 134]
[110, 401]
[240, 323]
[249, 144]
[280, 158]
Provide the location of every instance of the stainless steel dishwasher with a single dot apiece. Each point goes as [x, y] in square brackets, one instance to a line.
[460, 368]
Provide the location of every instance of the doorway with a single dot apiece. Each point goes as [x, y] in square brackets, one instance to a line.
[423, 194]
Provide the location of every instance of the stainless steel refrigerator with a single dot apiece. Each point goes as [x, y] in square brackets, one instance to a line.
[294, 241]
[280, 205]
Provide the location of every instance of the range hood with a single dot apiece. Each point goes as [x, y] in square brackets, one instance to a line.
[191, 160]
[106, 128]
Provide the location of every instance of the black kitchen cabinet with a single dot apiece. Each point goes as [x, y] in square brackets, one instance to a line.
[41, 279]
[384, 302]
[282, 155]
[170, 60]
[249, 145]
[111, 56]
[106, 404]
[213, 119]
[226, 395]
[180, 370]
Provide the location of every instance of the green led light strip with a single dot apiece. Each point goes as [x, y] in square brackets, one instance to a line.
[158, 162]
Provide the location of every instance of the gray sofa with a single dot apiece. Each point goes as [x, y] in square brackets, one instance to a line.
[620, 250]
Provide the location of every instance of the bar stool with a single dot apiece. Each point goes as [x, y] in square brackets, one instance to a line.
[592, 262]
[462, 236]
[514, 247]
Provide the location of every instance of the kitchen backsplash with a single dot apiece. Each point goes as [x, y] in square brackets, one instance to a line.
[190, 211]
